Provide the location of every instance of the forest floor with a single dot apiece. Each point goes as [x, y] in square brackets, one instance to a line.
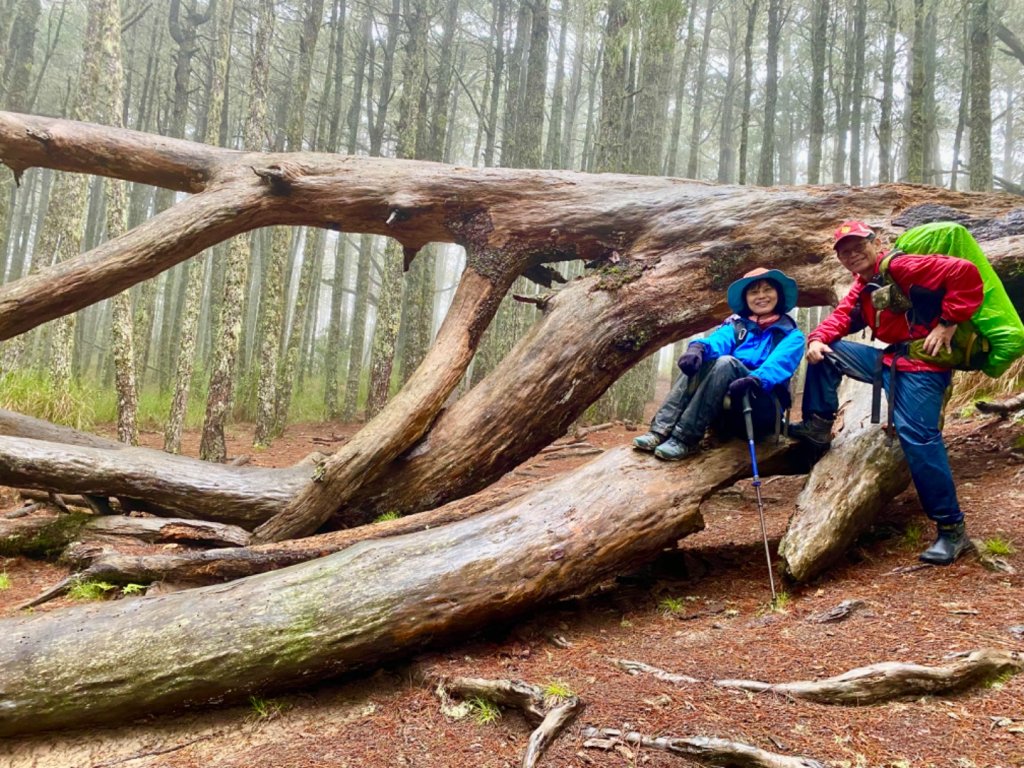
[703, 610]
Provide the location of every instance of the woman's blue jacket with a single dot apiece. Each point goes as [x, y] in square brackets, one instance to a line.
[772, 354]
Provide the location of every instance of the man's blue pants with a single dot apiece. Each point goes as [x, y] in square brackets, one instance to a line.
[916, 415]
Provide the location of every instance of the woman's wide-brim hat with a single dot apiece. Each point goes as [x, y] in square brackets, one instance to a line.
[786, 284]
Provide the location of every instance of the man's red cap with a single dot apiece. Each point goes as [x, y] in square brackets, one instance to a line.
[852, 228]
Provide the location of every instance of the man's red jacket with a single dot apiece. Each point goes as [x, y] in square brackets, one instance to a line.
[955, 282]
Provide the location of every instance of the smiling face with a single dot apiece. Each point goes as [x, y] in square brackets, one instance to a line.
[762, 297]
[858, 254]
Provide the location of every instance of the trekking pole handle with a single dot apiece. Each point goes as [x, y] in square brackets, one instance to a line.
[748, 420]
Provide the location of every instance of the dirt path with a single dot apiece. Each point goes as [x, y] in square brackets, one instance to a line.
[701, 610]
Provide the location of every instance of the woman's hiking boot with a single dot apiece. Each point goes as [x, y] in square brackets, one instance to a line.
[817, 430]
[951, 542]
[674, 449]
[648, 442]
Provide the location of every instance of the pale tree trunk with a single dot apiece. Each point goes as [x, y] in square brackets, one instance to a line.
[61, 238]
[963, 112]
[553, 147]
[611, 150]
[660, 27]
[857, 91]
[314, 243]
[981, 97]
[358, 334]
[225, 358]
[748, 87]
[819, 48]
[498, 16]
[885, 159]
[693, 164]
[726, 135]
[842, 138]
[766, 168]
[188, 330]
[917, 141]
[681, 83]
[390, 297]
[529, 137]
[111, 84]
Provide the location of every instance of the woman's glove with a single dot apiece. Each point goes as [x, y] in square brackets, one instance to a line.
[740, 387]
[691, 361]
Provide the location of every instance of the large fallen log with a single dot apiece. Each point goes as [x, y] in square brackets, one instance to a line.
[179, 486]
[372, 601]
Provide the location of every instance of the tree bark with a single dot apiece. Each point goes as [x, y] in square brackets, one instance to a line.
[344, 611]
[846, 489]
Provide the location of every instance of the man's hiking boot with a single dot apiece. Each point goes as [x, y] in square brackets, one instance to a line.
[674, 450]
[816, 430]
[951, 542]
[648, 442]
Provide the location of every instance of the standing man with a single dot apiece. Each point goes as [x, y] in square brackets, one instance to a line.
[943, 291]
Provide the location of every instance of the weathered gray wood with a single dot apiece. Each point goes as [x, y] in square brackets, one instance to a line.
[372, 601]
[890, 680]
[243, 496]
[850, 484]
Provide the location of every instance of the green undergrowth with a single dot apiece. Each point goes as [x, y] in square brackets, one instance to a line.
[997, 546]
[484, 711]
[5, 581]
[91, 590]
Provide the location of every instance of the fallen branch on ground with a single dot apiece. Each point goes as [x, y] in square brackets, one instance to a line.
[872, 684]
[549, 714]
[701, 749]
[1003, 407]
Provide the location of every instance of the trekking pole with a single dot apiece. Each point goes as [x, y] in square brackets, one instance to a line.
[747, 410]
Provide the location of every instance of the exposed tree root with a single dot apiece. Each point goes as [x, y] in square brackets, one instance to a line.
[1003, 407]
[701, 749]
[549, 715]
[875, 683]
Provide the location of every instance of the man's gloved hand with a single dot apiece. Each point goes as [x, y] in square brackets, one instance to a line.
[740, 387]
[690, 362]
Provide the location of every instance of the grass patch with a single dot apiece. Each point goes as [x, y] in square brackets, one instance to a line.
[385, 516]
[133, 589]
[90, 590]
[671, 606]
[484, 711]
[556, 689]
[913, 536]
[264, 709]
[1000, 680]
[5, 580]
[997, 546]
[33, 393]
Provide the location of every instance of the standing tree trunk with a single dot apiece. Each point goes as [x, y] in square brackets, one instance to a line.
[766, 169]
[981, 96]
[225, 361]
[917, 140]
[819, 48]
[857, 92]
[748, 87]
[693, 164]
[885, 174]
[198, 267]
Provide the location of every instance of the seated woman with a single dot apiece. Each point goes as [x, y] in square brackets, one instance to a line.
[755, 351]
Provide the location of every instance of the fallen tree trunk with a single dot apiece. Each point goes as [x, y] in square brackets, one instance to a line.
[175, 485]
[372, 601]
[663, 247]
[214, 566]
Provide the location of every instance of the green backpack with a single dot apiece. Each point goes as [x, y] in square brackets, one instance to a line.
[994, 336]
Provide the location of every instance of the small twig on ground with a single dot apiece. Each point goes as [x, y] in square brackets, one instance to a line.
[22, 511]
[637, 667]
[584, 431]
[840, 612]
[701, 749]
[240, 461]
